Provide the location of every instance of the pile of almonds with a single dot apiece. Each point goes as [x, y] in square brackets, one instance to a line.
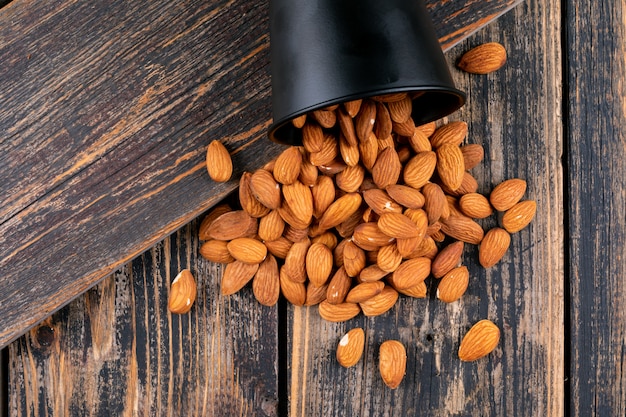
[368, 208]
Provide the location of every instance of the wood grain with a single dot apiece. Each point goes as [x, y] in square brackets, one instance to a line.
[596, 184]
[107, 109]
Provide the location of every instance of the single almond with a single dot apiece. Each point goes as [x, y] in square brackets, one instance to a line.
[473, 154]
[315, 295]
[508, 193]
[248, 201]
[400, 110]
[468, 185]
[383, 126]
[410, 273]
[210, 218]
[298, 122]
[300, 200]
[236, 275]
[406, 128]
[346, 125]
[232, 225]
[287, 166]
[380, 201]
[519, 216]
[346, 228]
[419, 142]
[349, 152]
[327, 154]
[450, 165]
[479, 341]
[453, 284]
[271, 226]
[182, 292]
[216, 251]
[387, 168]
[295, 261]
[369, 151]
[353, 258]
[323, 193]
[427, 248]
[338, 312]
[434, 201]
[266, 282]
[447, 259]
[294, 292]
[475, 205]
[338, 287]
[420, 169]
[380, 303]
[340, 210]
[308, 173]
[428, 129]
[453, 133]
[365, 119]
[325, 118]
[369, 237]
[493, 247]
[483, 59]
[417, 291]
[406, 196]
[463, 228]
[419, 218]
[328, 238]
[265, 188]
[392, 363]
[247, 250]
[350, 179]
[372, 273]
[398, 226]
[218, 162]
[352, 107]
[389, 258]
[279, 247]
[350, 347]
[364, 291]
[319, 263]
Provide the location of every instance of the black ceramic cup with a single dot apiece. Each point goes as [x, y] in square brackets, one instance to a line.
[325, 52]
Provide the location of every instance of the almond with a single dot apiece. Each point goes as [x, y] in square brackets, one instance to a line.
[328, 238]
[216, 251]
[349, 153]
[400, 110]
[300, 200]
[473, 154]
[434, 201]
[475, 205]
[389, 98]
[369, 237]
[210, 218]
[508, 193]
[463, 228]
[493, 247]
[364, 291]
[319, 263]
[387, 168]
[406, 196]
[380, 303]
[338, 312]
[182, 292]
[266, 282]
[407, 246]
[346, 124]
[350, 179]
[419, 169]
[406, 128]
[352, 107]
[353, 259]
[327, 154]
[389, 259]
[279, 247]
[450, 165]
[383, 125]
[419, 142]
[483, 59]
[417, 291]
[323, 195]
[308, 173]
[248, 201]
[294, 292]
[448, 258]
[347, 227]
[295, 261]
[218, 162]
[372, 273]
[427, 248]
[299, 121]
[340, 210]
[287, 166]
[392, 363]
[479, 341]
[410, 273]
[315, 295]
[369, 151]
[247, 250]
[379, 201]
[364, 121]
[265, 188]
[350, 347]
[338, 287]
[271, 226]
[468, 185]
[453, 133]
[428, 129]
[236, 275]
[453, 284]
[519, 216]
[291, 219]
[325, 118]
[399, 226]
[232, 225]
[419, 218]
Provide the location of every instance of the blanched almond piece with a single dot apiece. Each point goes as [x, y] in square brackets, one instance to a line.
[218, 162]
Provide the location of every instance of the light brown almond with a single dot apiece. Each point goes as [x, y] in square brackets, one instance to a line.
[420, 169]
[247, 200]
[400, 110]
[418, 291]
[364, 291]
[434, 201]
[389, 258]
[450, 165]
[493, 247]
[349, 153]
[483, 59]
[271, 226]
[372, 273]
[319, 263]
[453, 133]
[209, 218]
[398, 226]
[380, 201]
[380, 303]
[308, 173]
[352, 107]
[519, 216]
[392, 363]
[475, 205]
[419, 218]
[387, 142]
[295, 261]
[325, 118]
[315, 295]
[294, 292]
[389, 98]
[419, 142]
[346, 125]
[406, 196]
[300, 200]
[463, 228]
[182, 292]
[479, 341]
[232, 225]
[508, 193]
[447, 259]
[365, 119]
[387, 168]
[406, 128]
[383, 125]
[265, 188]
[368, 236]
[340, 210]
[216, 251]
[299, 121]
[287, 166]
[350, 179]
[328, 238]
[323, 195]
[338, 287]
[407, 246]
[236, 275]
[291, 219]
[338, 312]
[279, 247]
[353, 258]
[453, 284]
[266, 282]
[247, 250]
[428, 129]
[369, 151]
[218, 162]
[427, 248]
[346, 228]
[410, 273]
[327, 154]
[350, 347]
[473, 154]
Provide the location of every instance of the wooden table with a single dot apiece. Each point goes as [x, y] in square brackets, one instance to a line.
[553, 115]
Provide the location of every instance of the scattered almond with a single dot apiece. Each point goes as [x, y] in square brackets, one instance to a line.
[218, 162]
[483, 59]
[350, 347]
[479, 341]
[392, 363]
[182, 292]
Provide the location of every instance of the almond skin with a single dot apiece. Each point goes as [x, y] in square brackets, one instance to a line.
[340, 210]
[418, 291]
[338, 287]
[392, 363]
[475, 205]
[508, 193]
[519, 216]
[266, 282]
[406, 196]
[479, 341]
[232, 225]
[364, 291]
[182, 293]
[294, 292]
[483, 59]
[247, 250]
[248, 201]
[453, 285]
[271, 226]
[210, 218]
[493, 247]
[380, 201]
[387, 168]
[473, 154]
[265, 189]
[350, 347]
[216, 251]
[419, 169]
[410, 273]
[218, 162]
[398, 226]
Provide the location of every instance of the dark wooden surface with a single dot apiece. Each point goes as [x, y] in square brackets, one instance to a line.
[107, 108]
[553, 115]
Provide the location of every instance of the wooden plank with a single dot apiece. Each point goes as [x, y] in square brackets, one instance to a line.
[596, 183]
[520, 126]
[117, 351]
[107, 110]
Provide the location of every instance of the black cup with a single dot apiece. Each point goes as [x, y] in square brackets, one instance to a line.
[325, 52]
